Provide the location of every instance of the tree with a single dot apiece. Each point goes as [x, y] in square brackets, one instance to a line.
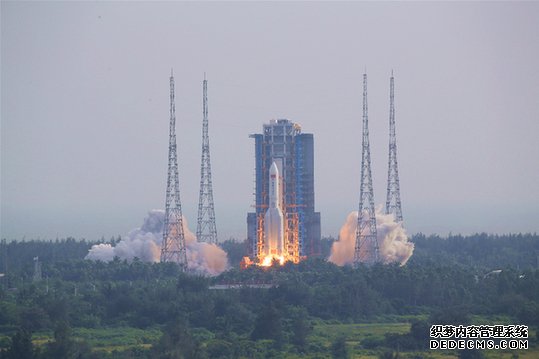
[300, 329]
[65, 347]
[470, 354]
[419, 331]
[339, 349]
[220, 349]
[21, 346]
[177, 343]
[389, 355]
[268, 325]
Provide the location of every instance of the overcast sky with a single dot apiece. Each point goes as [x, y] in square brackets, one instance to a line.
[84, 109]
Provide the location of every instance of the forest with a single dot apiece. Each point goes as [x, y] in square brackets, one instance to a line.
[76, 308]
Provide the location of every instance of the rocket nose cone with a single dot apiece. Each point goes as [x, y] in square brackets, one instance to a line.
[273, 169]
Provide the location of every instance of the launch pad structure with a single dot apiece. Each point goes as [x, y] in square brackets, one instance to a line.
[284, 185]
[290, 228]
[283, 143]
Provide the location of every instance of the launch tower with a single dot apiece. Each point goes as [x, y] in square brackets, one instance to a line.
[173, 246]
[206, 229]
[292, 151]
[366, 246]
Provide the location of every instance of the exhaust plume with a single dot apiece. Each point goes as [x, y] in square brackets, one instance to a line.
[145, 244]
[392, 240]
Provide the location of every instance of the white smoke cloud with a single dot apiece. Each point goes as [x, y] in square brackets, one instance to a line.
[392, 240]
[145, 244]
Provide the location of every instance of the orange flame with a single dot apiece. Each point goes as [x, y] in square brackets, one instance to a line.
[268, 260]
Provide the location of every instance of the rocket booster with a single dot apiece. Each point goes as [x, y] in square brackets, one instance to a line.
[273, 219]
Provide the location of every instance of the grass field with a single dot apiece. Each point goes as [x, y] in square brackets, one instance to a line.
[108, 339]
[324, 333]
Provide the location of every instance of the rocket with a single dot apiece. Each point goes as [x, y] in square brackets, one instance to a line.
[273, 219]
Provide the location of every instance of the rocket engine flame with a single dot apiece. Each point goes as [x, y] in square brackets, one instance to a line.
[268, 261]
[145, 244]
[392, 240]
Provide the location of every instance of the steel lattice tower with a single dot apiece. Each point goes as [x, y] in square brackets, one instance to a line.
[393, 199]
[366, 247]
[206, 229]
[173, 246]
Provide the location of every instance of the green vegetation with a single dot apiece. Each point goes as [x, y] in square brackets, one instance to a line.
[481, 251]
[85, 309]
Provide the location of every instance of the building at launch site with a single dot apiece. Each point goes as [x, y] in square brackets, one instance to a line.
[287, 154]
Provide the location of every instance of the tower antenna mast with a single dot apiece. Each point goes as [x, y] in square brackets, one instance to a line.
[173, 246]
[206, 228]
[393, 199]
[366, 246]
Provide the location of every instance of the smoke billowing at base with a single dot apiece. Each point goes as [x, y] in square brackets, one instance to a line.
[392, 241]
[145, 244]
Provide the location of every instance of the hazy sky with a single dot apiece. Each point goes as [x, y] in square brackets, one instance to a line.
[84, 109]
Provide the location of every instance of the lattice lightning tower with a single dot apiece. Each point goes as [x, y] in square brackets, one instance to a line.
[206, 229]
[173, 246]
[393, 199]
[366, 247]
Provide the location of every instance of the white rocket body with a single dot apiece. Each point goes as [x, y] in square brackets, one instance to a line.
[273, 219]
